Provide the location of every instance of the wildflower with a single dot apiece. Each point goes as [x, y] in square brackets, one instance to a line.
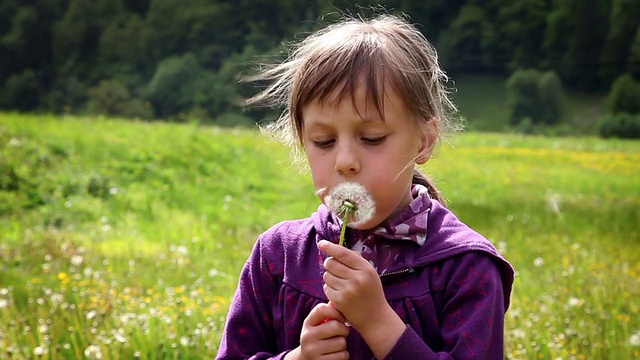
[573, 301]
[4, 303]
[352, 203]
[76, 260]
[634, 339]
[93, 352]
[40, 350]
[184, 341]
[537, 262]
[182, 250]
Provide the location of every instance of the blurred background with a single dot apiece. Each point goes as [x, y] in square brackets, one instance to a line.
[559, 67]
[133, 186]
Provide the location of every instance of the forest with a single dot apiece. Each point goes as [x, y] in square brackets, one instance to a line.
[180, 59]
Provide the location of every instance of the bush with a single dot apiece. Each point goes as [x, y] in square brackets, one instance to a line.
[622, 125]
[624, 96]
[551, 97]
[21, 91]
[111, 97]
[68, 94]
[172, 87]
[535, 95]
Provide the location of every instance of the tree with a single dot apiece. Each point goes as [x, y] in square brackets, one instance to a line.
[623, 25]
[633, 64]
[582, 59]
[535, 96]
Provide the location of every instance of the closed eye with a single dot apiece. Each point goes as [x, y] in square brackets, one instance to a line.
[374, 141]
[324, 143]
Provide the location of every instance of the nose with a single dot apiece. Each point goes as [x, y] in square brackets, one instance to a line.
[347, 160]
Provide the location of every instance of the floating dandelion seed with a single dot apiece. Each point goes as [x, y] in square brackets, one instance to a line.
[352, 203]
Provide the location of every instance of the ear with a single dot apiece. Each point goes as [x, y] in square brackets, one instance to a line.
[428, 138]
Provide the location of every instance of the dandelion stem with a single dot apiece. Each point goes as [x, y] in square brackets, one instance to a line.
[347, 209]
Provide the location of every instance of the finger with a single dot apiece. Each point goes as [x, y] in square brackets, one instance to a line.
[323, 311]
[334, 282]
[340, 253]
[337, 268]
[334, 345]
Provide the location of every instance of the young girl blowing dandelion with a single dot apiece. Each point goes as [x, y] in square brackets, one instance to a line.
[365, 102]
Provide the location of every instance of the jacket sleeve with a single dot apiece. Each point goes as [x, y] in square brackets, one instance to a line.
[471, 319]
[249, 331]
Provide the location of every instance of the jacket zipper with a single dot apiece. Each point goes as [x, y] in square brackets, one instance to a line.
[399, 272]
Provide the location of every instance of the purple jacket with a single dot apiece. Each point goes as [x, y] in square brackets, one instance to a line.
[452, 292]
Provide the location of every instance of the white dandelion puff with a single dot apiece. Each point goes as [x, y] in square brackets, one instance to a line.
[40, 350]
[352, 203]
[537, 262]
[93, 352]
[634, 339]
[574, 301]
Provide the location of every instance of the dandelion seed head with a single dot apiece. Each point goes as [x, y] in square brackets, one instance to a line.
[182, 250]
[40, 350]
[537, 262]
[574, 301]
[355, 194]
[184, 341]
[93, 352]
[634, 339]
[76, 260]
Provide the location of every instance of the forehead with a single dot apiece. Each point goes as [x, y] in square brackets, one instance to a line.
[359, 107]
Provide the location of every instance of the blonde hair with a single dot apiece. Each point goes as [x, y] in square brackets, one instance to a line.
[385, 50]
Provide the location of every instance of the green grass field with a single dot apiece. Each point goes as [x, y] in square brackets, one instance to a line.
[125, 239]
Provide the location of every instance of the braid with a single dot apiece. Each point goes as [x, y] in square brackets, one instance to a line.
[434, 193]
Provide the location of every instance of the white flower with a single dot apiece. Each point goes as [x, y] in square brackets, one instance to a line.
[93, 352]
[40, 350]
[537, 262]
[76, 260]
[4, 303]
[355, 194]
[634, 339]
[182, 250]
[573, 302]
[184, 341]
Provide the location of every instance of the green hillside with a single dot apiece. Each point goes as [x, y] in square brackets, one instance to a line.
[126, 238]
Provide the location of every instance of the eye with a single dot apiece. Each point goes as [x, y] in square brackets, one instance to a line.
[374, 140]
[323, 144]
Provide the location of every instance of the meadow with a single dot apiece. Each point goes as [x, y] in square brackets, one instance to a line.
[124, 240]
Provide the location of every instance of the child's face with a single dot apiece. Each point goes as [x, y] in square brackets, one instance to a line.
[381, 155]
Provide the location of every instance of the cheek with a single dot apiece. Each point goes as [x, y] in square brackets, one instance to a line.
[319, 171]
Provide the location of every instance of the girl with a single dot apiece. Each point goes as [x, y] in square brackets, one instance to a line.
[365, 101]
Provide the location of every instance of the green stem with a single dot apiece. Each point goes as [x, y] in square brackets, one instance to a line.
[348, 208]
[342, 232]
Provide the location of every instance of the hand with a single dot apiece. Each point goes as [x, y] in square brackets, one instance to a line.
[354, 288]
[323, 336]
[352, 284]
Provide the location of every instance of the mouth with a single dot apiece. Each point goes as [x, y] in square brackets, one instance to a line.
[351, 201]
